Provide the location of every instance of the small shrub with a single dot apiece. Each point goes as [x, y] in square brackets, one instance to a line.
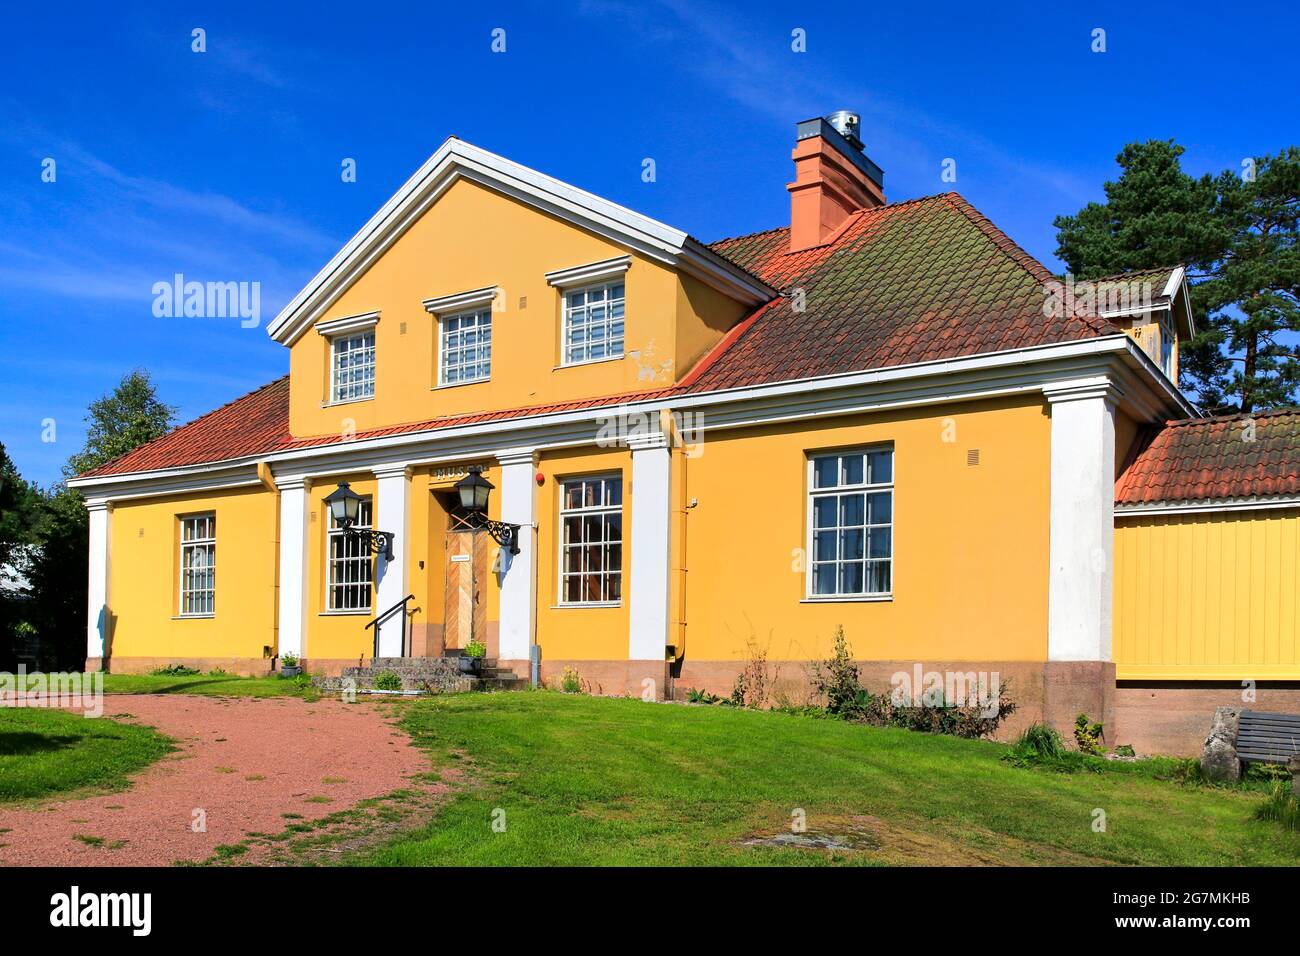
[571, 681]
[174, 670]
[475, 649]
[838, 681]
[696, 696]
[1281, 807]
[1125, 750]
[970, 721]
[754, 682]
[218, 672]
[1088, 736]
[387, 680]
[288, 659]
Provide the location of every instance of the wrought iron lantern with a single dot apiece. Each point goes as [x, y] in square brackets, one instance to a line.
[474, 491]
[345, 508]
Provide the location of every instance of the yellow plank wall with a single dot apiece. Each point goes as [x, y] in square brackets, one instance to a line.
[1208, 596]
[970, 541]
[145, 575]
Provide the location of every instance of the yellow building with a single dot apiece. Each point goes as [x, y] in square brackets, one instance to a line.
[881, 417]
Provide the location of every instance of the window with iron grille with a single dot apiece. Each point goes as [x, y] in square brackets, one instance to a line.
[591, 544]
[851, 523]
[350, 567]
[593, 323]
[353, 367]
[198, 564]
[465, 350]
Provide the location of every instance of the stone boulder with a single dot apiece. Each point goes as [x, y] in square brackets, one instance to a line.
[1219, 758]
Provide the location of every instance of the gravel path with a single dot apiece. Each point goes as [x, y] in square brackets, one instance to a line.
[243, 762]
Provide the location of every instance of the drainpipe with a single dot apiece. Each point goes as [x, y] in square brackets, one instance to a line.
[681, 507]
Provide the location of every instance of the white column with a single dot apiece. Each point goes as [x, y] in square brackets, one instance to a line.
[519, 582]
[294, 527]
[98, 617]
[391, 514]
[648, 590]
[1082, 533]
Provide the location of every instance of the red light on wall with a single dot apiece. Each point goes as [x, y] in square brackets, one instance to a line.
[541, 479]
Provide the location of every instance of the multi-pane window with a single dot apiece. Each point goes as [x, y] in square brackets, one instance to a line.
[593, 323]
[349, 564]
[465, 352]
[591, 547]
[198, 564]
[1167, 343]
[851, 500]
[352, 373]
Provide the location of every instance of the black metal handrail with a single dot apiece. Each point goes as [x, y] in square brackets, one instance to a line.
[399, 606]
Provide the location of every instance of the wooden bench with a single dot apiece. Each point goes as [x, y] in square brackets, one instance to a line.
[1238, 737]
[1267, 738]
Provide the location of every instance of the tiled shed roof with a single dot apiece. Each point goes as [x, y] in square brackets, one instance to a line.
[1217, 459]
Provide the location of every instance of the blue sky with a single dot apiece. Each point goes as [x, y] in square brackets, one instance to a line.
[225, 165]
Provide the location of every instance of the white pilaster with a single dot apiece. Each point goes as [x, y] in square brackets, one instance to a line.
[391, 513]
[648, 590]
[294, 528]
[519, 582]
[1082, 533]
[98, 616]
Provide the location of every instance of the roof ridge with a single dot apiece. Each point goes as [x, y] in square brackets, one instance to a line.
[194, 421]
[1234, 416]
[1136, 272]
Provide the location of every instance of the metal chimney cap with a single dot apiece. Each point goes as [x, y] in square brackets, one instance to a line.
[847, 123]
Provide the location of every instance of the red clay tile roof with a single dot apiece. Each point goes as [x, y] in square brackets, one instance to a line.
[910, 282]
[1212, 459]
[251, 425]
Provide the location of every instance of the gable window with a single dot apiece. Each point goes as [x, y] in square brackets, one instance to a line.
[593, 323]
[349, 567]
[591, 544]
[1167, 342]
[198, 565]
[850, 522]
[465, 348]
[352, 364]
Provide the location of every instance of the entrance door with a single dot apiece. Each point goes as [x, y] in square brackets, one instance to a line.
[465, 617]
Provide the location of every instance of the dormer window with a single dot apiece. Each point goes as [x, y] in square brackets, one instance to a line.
[593, 310]
[1167, 343]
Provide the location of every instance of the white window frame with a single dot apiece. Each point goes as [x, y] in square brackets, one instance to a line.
[562, 573]
[342, 393]
[566, 325]
[355, 554]
[866, 488]
[198, 601]
[482, 318]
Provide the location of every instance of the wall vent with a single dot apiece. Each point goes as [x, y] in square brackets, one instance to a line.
[972, 456]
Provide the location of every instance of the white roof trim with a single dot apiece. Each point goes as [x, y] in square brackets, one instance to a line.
[446, 304]
[348, 323]
[591, 272]
[456, 159]
[1145, 393]
[1201, 507]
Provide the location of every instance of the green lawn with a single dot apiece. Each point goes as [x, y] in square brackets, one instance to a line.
[48, 752]
[216, 685]
[585, 780]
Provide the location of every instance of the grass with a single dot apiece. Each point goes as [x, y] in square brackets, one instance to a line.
[48, 752]
[578, 780]
[215, 685]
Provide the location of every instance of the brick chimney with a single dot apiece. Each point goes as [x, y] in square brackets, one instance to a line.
[832, 178]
